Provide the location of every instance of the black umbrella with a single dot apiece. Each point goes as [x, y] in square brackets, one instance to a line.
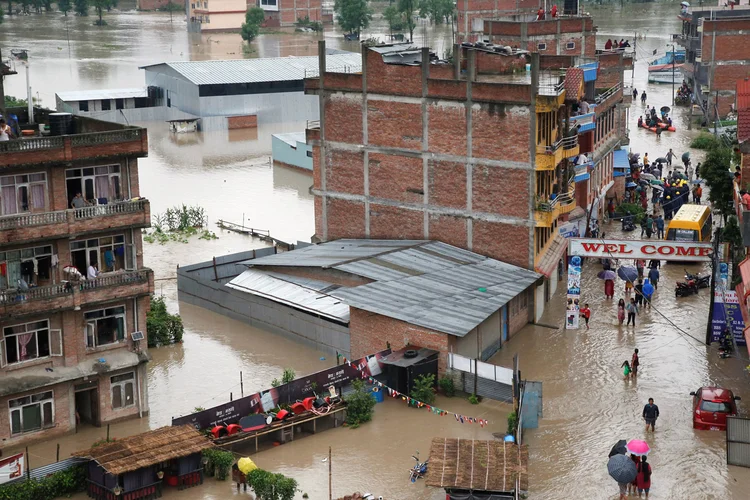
[628, 273]
[620, 448]
[685, 156]
[622, 469]
[665, 109]
[661, 160]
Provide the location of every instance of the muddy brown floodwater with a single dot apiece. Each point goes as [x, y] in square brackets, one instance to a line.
[587, 405]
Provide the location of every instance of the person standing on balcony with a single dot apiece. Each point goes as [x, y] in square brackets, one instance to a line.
[92, 272]
[553, 11]
[584, 107]
[78, 201]
[540, 14]
[6, 133]
[608, 45]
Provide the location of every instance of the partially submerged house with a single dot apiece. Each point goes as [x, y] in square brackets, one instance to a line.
[137, 467]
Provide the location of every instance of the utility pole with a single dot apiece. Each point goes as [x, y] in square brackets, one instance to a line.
[714, 272]
[674, 56]
[330, 476]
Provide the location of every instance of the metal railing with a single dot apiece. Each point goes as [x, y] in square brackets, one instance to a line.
[315, 72]
[608, 93]
[116, 208]
[16, 221]
[565, 143]
[31, 144]
[561, 200]
[550, 86]
[116, 279]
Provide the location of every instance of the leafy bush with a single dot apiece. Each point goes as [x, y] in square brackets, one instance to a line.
[359, 405]
[705, 141]
[424, 389]
[473, 399]
[447, 386]
[59, 484]
[219, 461]
[275, 382]
[163, 328]
[288, 376]
[635, 210]
[512, 423]
[254, 17]
[270, 486]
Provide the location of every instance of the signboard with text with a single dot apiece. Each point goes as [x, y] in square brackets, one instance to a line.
[686, 251]
[727, 314]
[573, 307]
[11, 468]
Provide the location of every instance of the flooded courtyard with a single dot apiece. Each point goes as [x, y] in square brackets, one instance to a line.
[587, 405]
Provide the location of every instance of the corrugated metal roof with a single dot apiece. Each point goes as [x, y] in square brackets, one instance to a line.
[271, 69]
[333, 253]
[300, 297]
[426, 283]
[98, 94]
[292, 138]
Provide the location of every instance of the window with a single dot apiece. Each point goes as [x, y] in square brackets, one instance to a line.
[107, 253]
[97, 184]
[83, 105]
[106, 104]
[31, 413]
[570, 45]
[541, 46]
[29, 341]
[716, 406]
[19, 264]
[192, 6]
[122, 390]
[269, 5]
[119, 103]
[23, 193]
[207, 20]
[105, 326]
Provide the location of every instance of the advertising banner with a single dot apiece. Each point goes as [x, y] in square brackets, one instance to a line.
[727, 313]
[11, 468]
[572, 309]
[298, 389]
[637, 249]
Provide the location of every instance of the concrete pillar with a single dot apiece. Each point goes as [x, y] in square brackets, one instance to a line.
[322, 148]
[532, 151]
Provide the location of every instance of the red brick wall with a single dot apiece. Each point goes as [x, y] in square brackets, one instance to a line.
[491, 239]
[158, 4]
[490, 122]
[491, 192]
[397, 178]
[383, 115]
[291, 10]
[445, 184]
[387, 222]
[245, 121]
[443, 122]
[372, 332]
[346, 219]
[62, 411]
[449, 229]
[343, 117]
[345, 172]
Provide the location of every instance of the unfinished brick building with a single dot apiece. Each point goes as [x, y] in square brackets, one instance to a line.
[717, 55]
[68, 352]
[474, 158]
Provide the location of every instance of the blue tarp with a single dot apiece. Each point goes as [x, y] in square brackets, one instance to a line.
[589, 71]
[621, 165]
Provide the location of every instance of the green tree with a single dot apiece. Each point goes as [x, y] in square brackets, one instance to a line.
[408, 8]
[359, 405]
[732, 235]
[162, 328]
[394, 18]
[254, 17]
[424, 389]
[171, 7]
[111, 4]
[352, 15]
[26, 6]
[715, 170]
[100, 6]
[2, 13]
[10, 7]
[81, 7]
[64, 6]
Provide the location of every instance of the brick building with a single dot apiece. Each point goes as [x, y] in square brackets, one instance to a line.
[473, 157]
[67, 351]
[717, 54]
[395, 293]
[157, 4]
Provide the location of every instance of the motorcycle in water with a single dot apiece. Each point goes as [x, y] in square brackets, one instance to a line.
[700, 281]
[685, 288]
[726, 349]
[418, 470]
[627, 223]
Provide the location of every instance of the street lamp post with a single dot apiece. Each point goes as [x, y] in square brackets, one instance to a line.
[674, 56]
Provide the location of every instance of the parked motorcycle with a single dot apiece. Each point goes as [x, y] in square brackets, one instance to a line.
[685, 288]
[701, 281]
[726, 349]
[419, 469]
[627, 223]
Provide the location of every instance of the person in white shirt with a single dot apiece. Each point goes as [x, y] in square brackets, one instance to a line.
[92, 273]
[6, 133]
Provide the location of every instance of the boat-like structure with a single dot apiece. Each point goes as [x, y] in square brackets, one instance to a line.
[667, 69]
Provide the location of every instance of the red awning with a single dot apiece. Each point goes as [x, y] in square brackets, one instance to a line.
[548, 263]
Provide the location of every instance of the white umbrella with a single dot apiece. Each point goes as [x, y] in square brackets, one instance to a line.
[685, 4]
[73, 272]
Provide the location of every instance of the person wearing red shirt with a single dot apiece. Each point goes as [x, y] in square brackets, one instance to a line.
[586, 313]
[540, 14]
[553, 12]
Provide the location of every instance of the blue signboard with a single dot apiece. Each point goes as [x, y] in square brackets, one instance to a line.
[727, 313]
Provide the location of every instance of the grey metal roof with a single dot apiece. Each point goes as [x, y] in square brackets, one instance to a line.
[333, 253]
[98, 94]
[306, 298]
[425, 283]
[271, 69]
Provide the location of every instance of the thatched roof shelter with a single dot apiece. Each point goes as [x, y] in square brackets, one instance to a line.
[477, 465]
[150, 448]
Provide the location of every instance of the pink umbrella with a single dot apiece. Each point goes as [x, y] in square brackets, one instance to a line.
[638, 447]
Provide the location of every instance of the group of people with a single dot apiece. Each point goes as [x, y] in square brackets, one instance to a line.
[541, 14]
[652, 120]
[614, 44]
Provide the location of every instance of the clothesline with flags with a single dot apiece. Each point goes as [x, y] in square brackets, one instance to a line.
[415, 402]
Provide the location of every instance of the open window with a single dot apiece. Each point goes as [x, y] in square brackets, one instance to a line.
[105, 326]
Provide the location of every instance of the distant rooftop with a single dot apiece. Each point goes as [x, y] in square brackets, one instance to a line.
[272, 69]
[425, 283]
[98, 94]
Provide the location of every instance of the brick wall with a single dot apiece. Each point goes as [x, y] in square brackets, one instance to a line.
[63, 411]
[372, 332]
[244, 121]
[491, 239]
[157, 4]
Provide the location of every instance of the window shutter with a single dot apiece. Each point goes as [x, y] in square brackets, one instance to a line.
[2, 353]
[55, 343]
[130, 257]
[90, 334]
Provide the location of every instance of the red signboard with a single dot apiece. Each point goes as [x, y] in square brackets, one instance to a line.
[640, 249]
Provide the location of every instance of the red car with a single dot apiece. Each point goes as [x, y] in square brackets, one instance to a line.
[711, 405]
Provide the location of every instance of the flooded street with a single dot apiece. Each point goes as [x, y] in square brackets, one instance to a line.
[587, 405]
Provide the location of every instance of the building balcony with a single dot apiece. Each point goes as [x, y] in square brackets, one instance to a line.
[548, 212]
[608, 98]
[28, 227]
[87, 138]
[71, 295]
[548, 157]
[583, 122]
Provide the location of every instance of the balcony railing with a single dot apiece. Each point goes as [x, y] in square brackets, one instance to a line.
[125, 135]
[66, 288]
[564, 143]
[116, 208]
[77, 140]
[607, 93]
[551, 87]
[28, 219]
[31, 144]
